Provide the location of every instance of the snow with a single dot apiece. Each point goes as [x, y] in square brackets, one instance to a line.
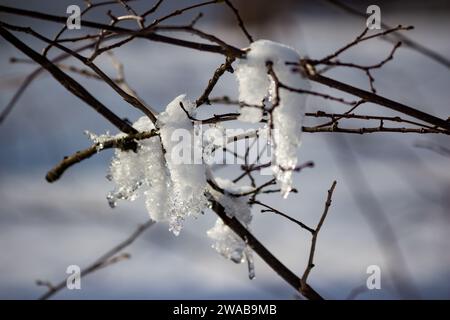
[251, 114]
[226, 242]
[169, 170]
[255, 85]
[98, 139]
[183, 155]
[142, 172]
[214, 137]
[173, 187]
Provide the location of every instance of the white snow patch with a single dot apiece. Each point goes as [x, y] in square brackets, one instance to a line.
[183, 154]
[226, 242]
[255, 85]
[173, 187]
[142, 172]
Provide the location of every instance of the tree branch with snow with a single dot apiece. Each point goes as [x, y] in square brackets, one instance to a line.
[170, 158]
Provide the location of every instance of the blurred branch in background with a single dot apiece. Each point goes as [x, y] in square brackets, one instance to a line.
[433, 147]
[109, 258]
[371, 209]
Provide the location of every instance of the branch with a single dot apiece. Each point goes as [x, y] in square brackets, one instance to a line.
[381, 128]
[366, 69]
[374, 98]
[125, 143]
[315, 234]
[89, 6]
[105, 260]
[204, 98]
[238, 53]
[135, 102]
[240, 21]
[69, 83]
[30, 79]
[144, 33]
[290, 277]
[271, 209]
[338, 116]
[433, 147]
[407, 41]
[361, 38]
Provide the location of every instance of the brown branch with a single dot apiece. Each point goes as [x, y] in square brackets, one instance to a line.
[314, 236]
[204, 98]
[317, 94]
[144, 33]
[279, 85]
[239, 53]
[336, 129]
[361, 38]
[339, 116]
[69, 83]
[88, 8]
[33, 75]
[374, 98]
[276, 265]
[152, 9]
[366, 69]
[150, 29]
[135, 102]
[407, 41]
[179, 12]
[125, 143]
[240, 21]
[271, 209]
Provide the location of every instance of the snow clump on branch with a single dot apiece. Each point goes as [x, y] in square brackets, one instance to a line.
[173, 189]
[255, 85]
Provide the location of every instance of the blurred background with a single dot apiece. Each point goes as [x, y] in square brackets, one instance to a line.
[391, 207]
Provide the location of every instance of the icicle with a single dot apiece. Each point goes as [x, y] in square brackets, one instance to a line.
[250, 263]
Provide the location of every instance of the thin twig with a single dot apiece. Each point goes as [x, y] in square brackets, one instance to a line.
[204, 98]
[430, 53]
[314, 236]
[125, 143]
[271, 209]
[276, 265]
[240, 21]
[107, 259]
[69, 83]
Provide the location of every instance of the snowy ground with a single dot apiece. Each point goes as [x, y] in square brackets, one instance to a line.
[46, 227]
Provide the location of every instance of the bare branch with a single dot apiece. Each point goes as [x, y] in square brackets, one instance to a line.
[105, 260]
[372, 97]
[271, 209]
[240, 21]
[290, 277]
[125, 143]
[430, 53]
[315, 234]
[69, 83]
[204, 98]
